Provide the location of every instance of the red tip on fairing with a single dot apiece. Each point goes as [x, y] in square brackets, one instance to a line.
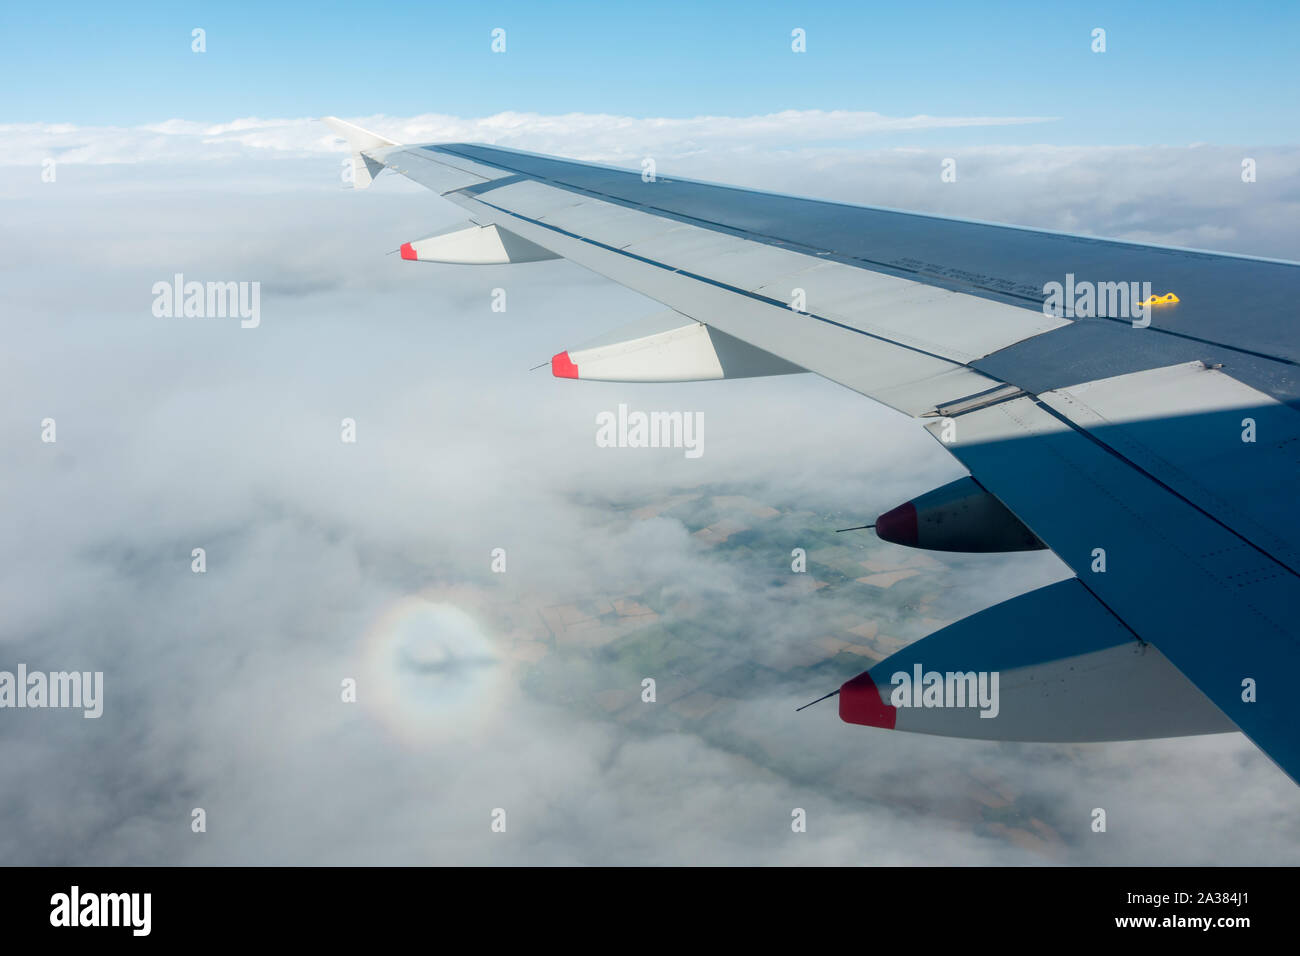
[861, 703]
[898, 525]
[562, 366]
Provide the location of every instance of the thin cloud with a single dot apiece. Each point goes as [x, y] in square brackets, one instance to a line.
[600, 136]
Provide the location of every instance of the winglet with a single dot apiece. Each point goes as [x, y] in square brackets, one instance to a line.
[361, 141]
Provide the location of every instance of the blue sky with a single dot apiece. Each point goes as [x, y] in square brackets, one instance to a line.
[1173, 72]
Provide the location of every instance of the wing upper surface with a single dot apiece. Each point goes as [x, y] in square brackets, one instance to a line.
[1096, 434]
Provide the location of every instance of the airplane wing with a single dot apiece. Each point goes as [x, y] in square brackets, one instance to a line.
[1132, 407]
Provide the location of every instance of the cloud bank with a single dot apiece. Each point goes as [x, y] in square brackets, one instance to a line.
[371, 561]
[599, 136]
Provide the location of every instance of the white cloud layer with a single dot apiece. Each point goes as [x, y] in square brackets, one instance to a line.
[600, 137]
[222, 690]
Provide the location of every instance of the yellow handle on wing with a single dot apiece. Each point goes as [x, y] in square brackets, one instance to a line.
[1167, 299]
